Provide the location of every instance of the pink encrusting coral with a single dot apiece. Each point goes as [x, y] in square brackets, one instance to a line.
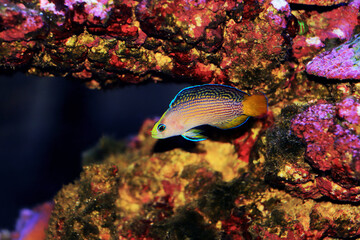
[331, 134]
[349, 110]
[18, 22]
[340, 63]
[319, 2]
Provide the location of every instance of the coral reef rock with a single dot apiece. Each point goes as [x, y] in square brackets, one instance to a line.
[323, 29]
[316, 155]
[319, 2]
[106, 43]
[340, 63]
[176, 189]
[292, 175]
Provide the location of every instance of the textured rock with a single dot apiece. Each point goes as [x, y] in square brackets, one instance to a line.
[324, 29]
[106, 42]
[135, 193]
[179, 189]
[321, 155]
[340, 63]
[244, 183]
[319, 2]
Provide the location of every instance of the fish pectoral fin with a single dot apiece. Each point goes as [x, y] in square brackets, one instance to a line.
[236, 122]
[194, 135]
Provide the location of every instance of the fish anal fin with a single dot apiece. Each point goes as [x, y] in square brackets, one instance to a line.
[232, 123]
[194, 135]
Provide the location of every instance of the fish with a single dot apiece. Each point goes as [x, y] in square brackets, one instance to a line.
[220, 106]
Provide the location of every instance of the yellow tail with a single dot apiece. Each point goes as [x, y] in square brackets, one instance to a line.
[255, 105]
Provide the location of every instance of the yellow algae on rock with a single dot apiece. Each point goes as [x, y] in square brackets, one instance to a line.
[85, 38]
[163, 61]
[71, 41]
[99, 52]
[152, 189]
[222, 157]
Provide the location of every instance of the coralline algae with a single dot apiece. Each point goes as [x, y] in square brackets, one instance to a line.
[329, 164]
[139, 199]
[105, 43]
[333, 25]
[319, 2]
[340, 63]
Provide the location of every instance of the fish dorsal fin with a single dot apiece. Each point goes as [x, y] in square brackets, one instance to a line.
[194, 135]
[235, 122]
[209, 91]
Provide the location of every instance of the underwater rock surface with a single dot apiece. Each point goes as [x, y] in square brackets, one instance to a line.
[319, 2]
[106, 42]
[323, 29]
[251, 44]
[317, 154]
[341, 62]
[152, 190]
[294, 175]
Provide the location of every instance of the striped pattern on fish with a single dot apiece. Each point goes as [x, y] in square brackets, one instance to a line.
[210, 104]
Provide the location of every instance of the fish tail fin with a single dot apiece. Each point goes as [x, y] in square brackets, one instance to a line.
[255, 105]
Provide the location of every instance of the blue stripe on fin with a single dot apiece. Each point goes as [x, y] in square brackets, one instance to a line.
[194, 135]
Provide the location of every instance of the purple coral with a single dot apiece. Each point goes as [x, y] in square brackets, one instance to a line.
[340, 63]
[318, 2]
[332, 147]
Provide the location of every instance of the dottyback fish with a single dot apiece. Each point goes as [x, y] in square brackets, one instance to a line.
[216, 105]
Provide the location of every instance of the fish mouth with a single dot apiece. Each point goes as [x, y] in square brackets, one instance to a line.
[154, 134]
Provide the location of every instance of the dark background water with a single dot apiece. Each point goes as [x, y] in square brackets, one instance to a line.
[46, 124]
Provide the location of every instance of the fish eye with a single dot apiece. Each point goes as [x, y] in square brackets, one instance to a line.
[161, 127]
